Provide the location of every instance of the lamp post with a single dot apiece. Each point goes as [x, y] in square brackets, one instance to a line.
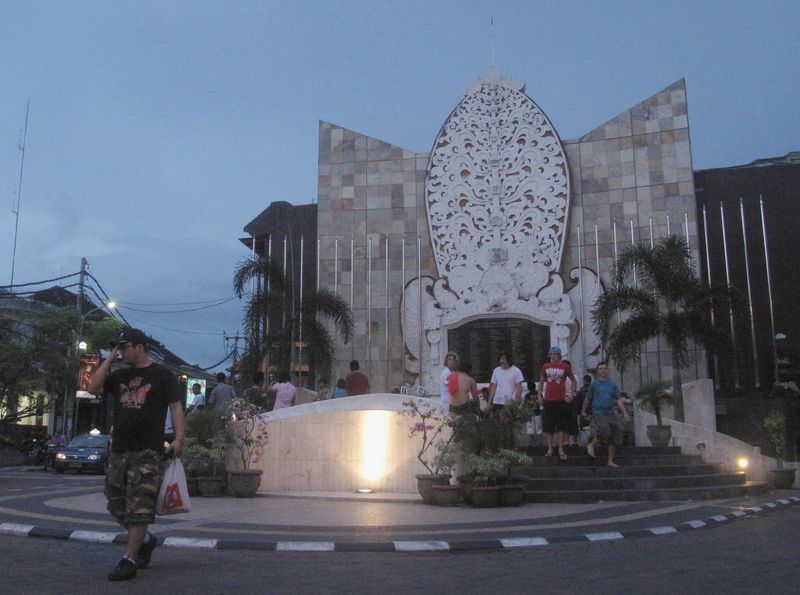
[81, 347]
[777, 345]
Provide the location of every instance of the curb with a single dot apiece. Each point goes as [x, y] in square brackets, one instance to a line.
[20, 530]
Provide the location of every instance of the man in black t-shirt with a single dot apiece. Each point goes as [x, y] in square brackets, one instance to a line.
[141, 395]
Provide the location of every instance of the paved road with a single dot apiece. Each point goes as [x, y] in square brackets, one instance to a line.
[751, 555]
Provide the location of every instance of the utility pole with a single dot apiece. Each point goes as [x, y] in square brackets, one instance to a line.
[71, 403]
[235, 352]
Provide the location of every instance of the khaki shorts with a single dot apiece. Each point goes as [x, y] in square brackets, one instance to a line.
[132, 483]
[607, 429]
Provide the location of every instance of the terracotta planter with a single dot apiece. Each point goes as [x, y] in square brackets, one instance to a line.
[211, 487]
[510, 494]
[485, 497]
[781, 479]
[425, 483]
[447, 495]
[244, 483]
[465, 484]
[659, 436]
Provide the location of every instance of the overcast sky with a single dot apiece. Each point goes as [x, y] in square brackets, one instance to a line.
[159, 129]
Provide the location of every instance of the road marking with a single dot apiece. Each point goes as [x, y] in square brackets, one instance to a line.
[421, 546]
[662, 530]
[756, 509]
[603, 536]
[93, 536]
[739, 513]
[304, 546]
[208, 544]
[695, 524]
[524, 541]
[15, 529]
[720, 518]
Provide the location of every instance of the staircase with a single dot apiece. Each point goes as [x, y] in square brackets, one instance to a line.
[644, 473]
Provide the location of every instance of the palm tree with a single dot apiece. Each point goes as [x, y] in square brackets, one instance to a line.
[273, 323]
[669, 301]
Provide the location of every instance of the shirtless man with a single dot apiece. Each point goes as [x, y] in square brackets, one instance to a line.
[467, 388]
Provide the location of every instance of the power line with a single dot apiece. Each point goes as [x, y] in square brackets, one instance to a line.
[175, 330]
[223, 299]
[39, 282]
[226, 300]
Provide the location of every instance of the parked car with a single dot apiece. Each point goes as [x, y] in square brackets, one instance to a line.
[87, 452]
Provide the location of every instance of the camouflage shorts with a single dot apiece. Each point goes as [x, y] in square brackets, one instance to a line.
[132, 483]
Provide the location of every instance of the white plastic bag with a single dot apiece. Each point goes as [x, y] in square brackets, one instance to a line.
[173, 496]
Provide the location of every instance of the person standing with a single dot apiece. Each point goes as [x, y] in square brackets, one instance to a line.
[221, 398]
[506, 382]
[284, 391]
[339, 391]
[356, 382]
[141, 394]
[604, 396]
[466, 389]
[451, 362]
[554, 399]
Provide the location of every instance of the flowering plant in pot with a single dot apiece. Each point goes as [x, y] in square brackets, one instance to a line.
[431, 428]
[248, 435]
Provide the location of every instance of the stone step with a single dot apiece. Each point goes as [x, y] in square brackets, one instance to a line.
[635, 483]
[602, 470]
[685, 493]
[629, 460]
[621, 450]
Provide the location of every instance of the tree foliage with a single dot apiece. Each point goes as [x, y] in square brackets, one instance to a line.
[273, 323]
[668, 300]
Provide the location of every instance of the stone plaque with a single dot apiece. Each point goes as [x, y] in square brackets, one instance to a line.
[480, 342]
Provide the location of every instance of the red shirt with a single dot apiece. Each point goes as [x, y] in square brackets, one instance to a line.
[356, 383]
[556, 376]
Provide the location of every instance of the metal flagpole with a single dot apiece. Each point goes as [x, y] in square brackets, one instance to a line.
[352, 284]
[300, 325]
[597, 264]
[669, 233]
[318, 252]
[749, 298]
[658, 339]
[686, 226]
[686, 233]
[386, 305]
[708, 270]
[369, 305]
[336, 265]
[769, 286]
[728, 282]
[636, 284]
[619, 315]
[419, 307]
[580, 290]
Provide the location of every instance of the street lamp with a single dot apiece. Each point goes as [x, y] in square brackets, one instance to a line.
[110, 305]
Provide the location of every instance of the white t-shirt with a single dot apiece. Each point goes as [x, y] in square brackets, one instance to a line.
[444, 394]
[506, 383]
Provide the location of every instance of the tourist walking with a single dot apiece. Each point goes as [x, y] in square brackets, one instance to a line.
[465, 389]
[221, 398]
[506, 383]
[141, 394]
[554, 399]
[604, 397]
[284, 392]
[356, 382]
[451, 362]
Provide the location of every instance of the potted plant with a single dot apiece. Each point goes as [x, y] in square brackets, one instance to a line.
[512, 491]
[206, 445]
[448, 454]
[428, 426]
[775, 425]
[652, 397]
[248, 434]
[484, 470]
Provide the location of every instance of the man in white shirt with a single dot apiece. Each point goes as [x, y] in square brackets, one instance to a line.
[451, 362]
[506, 384]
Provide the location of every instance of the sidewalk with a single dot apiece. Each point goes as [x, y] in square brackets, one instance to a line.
[384, 522]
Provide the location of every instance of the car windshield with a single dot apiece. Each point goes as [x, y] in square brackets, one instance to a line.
[89, 441]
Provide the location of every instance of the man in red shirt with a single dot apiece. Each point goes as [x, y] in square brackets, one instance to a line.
[554, 399]
[356, 382]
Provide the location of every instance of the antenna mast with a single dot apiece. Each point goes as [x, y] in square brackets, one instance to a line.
[491, 38]
[19, 191]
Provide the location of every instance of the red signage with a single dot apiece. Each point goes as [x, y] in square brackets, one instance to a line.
[89, 365]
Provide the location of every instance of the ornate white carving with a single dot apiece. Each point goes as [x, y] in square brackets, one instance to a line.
[497, 192]
[586, 349]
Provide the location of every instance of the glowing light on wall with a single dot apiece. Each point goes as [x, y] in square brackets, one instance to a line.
[374, 431]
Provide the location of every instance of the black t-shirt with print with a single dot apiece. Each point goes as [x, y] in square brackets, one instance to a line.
[141, 397]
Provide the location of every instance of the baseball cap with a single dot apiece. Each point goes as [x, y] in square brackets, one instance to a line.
[133, 336]
[555, 349]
